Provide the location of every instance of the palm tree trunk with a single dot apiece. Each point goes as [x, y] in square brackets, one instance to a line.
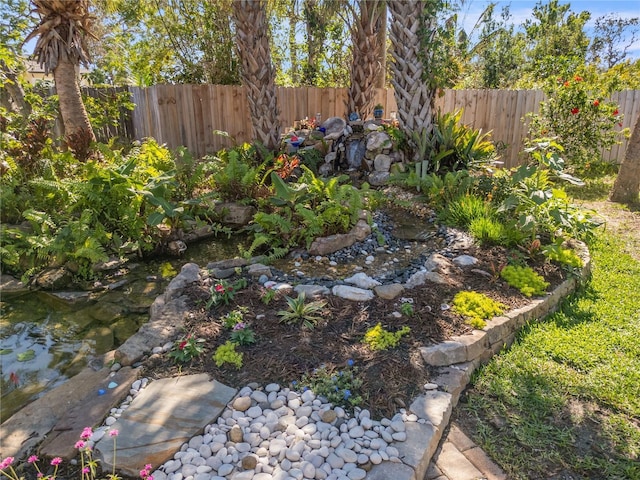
[627, 185]
[415, 99]
[366, 52]
[381, 81]
[78, 132]
[258, 75]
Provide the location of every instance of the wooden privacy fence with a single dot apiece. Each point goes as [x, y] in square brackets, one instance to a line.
[189, 114]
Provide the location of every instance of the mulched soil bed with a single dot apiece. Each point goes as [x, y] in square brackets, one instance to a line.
[284, 353]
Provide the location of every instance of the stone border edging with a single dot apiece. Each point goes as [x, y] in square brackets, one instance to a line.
[458, 358]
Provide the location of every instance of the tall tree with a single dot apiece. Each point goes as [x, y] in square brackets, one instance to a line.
[558, 39]
[365, 65]
[167, 41]
[415, 95]
[627, 185]
[258, 75]
[13, 28]
[61, 47]
[318, 15]
[613, 36]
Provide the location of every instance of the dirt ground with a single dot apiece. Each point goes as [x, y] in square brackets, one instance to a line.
[283, 353]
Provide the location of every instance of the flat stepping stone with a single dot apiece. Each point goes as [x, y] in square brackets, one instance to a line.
[166, 414]
[30, 425]
[88, 413]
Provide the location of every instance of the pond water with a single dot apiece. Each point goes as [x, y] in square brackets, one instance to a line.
[48, 337]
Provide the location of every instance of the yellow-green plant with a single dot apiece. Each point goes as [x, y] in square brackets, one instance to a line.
[226, 353]
[524, 279]
[566, 256]
[476, 307]
[377, 338]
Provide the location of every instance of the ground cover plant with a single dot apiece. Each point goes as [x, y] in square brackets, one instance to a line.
[563, 401]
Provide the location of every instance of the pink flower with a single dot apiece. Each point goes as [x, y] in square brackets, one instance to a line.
[79, 444]
[113, 433]
[40, 475]
[56, 461]
[220, 288]
[6, 462]
[32, 459]
[86, 470]
[86, 433]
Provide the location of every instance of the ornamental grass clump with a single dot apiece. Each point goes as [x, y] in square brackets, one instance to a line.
[524, 279]
[476, 307]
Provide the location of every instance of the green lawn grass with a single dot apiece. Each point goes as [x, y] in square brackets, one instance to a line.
[565, 399]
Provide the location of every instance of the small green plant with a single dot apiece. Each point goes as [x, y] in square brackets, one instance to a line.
[267, 295]
[565, 256]
[222, 292]
[463, 210]
[338, 387]
[488, 231]
[226, 353]
[242, 334]
[377, 338]
[407, 309]
[187, 348]
[299, 311]
[476, 307]
[524, 279]
[231, 319]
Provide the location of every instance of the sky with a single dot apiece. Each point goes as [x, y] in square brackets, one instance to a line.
[521, 10]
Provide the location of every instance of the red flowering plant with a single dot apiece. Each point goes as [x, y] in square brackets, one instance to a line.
[186, 349]
[222, 292]
[579, 115]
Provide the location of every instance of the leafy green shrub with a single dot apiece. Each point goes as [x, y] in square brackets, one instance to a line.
[524, 279]
[338, 387]
[233, 176]
[226, 353]
[578, 113]
[540, 208]
[438, 190]
[476, 307]
[301, 211]
[299, 311]
[377, 338]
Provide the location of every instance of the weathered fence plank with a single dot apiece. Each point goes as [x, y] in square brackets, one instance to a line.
[188, 114]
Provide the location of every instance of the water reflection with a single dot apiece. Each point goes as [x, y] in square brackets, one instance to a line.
[47, 338]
